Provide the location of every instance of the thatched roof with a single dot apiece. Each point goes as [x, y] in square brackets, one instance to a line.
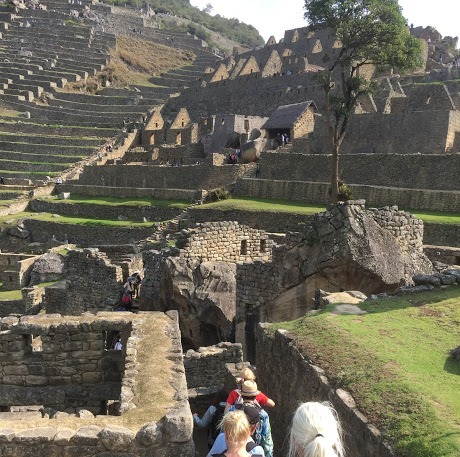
[286, 116]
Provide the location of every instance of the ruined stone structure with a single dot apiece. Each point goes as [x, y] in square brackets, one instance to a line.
[15, 270]
[69, 368]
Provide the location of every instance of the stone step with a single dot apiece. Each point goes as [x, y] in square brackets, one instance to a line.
[27, 95]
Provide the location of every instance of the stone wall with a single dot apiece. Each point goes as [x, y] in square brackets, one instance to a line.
[317, 193]
[206, 367]
[389, 170]
[8, 307]
[15, 270]
[261, 220]
[408, 132]
[447, 255]
[93, 211]
[442, 234]
[226, 241]
[92, 283]
[168, 432]
[186, 177]
[407, 229]
[86, 235]
[132, 192]
[285, 375]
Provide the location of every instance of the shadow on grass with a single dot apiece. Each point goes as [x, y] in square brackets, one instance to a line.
[452, 366]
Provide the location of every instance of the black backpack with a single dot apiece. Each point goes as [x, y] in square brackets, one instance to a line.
[214, 428]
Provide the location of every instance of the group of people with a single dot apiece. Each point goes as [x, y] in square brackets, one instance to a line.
[281, 139]
[234, 157]
[239, 426]
[131, 290]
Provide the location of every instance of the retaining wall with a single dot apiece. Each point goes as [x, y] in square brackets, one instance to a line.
[318, 193]
[285, 375]
[388, 170]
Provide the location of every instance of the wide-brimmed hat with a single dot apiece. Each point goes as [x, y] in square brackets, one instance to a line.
[249, 389]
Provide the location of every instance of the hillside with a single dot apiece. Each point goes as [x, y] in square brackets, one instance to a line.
[232, 29]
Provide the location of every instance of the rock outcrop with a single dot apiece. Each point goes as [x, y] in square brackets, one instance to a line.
[49, 267]
[347, 248]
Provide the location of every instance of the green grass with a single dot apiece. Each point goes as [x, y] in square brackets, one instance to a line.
[9, 294]
[115, 201]
[12, 219]
[437, 217]
[27, 173]
[262, 204]
[395, 362]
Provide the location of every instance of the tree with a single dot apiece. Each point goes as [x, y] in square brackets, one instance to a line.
[208, 8]
[371, 32]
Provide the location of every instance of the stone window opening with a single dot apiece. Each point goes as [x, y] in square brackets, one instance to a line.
[263, 246]
[9, 261]
[244, 247]
[156, 125]
[183, 123]
[10, 278]
[34, 343]
[110, 339]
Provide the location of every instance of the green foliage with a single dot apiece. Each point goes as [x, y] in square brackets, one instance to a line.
[217, 195]
[370, 32]
[345, 192]
[229, 28]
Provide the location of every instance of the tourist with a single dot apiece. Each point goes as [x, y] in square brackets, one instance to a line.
[2, 180]
[213, 416]
[126, 301]
[118, 346]
[129, 286]
[137, 280]
[315, 432]
[262, 435]
[236, 395]
[236, 441]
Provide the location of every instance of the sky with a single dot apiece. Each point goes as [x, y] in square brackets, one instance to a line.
[273, 17]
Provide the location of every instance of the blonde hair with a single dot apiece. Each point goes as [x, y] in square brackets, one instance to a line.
[236, 426]
[247, 374]
[315, 432]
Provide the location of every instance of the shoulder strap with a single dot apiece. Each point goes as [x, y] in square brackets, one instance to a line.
[250, 445]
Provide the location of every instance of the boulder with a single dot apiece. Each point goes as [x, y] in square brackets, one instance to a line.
[344, 249]
[250, 151]
[205, 294]
[20, 231]
[426, 280]
[49, 267]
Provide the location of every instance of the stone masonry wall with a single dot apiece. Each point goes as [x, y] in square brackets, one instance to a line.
[284, 374]
[71, 356]
[407, 229]
[43, 231]
[151, 213]
[93, 282]
[226, 241]
[206, 367]
[388, 170]
[317, 192]
[168, 432]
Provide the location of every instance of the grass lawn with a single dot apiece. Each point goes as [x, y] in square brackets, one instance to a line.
[395, 361]
[115, 201]
[437, 217]
[10, 219]
[263, 204]
[285, 206]
[9, 294]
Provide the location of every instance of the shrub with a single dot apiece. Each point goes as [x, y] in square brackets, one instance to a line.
[217, 195]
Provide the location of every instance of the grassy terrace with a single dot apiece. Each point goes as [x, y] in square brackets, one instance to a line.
[395, 361]
[115, 201]
[9, 294]
[260, 204]
[10, 219]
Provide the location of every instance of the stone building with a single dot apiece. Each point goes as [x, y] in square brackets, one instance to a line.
[15, 270]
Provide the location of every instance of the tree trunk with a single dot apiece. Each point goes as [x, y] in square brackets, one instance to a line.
[335, 173]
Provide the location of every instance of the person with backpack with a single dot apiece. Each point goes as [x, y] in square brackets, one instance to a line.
[235, 440]
[247, 375]
[213, 416]
[262, 435]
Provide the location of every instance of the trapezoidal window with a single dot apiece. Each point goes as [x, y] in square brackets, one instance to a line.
[263, 245]
[244, 247]
[34, 343]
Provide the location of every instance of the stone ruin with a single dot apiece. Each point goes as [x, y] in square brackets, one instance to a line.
[64, 390]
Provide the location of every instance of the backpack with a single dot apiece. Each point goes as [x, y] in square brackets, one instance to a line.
[214, 428]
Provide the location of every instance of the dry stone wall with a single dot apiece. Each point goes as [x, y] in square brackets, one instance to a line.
[388, 170]
[168, 432]
[285, 374]
[317, 192]
[226, 241]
